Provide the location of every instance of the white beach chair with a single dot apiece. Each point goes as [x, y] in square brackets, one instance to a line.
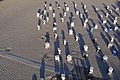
[77, 12]
[96, 26]
[57, 58]
[110, 70]
[76, 38]
[64, 42]
[47, 45]
[72, 24]
[38, 27]
[85, 48]
[59, 50]
[110, 45]
[91, 70]
[69, 58]
[105, 58]
[70, 32]
[38, 14]
[63, 76]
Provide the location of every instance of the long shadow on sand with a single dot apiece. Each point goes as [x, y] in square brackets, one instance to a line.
[81, 44]
[34, 77]
[56, 46]
[105, 6]
[39, 22]
[79, 72]
[67, 71]
[42, 70]
[112, 48]
[116, 74]
[63, 35]
[74, 33]
[103, 66]
[98, 15]
[47, 37]
[68, 26]
[67, 49]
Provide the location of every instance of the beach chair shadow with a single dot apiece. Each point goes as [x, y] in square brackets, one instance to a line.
[34, 77]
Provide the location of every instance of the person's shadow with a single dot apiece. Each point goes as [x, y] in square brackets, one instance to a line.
[34, 77]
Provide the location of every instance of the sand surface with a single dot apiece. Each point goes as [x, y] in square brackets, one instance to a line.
[18, 31]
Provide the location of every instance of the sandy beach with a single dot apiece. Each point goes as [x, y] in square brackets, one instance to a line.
[22, 49]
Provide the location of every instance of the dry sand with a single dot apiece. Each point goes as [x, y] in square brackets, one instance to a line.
[19, 32]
